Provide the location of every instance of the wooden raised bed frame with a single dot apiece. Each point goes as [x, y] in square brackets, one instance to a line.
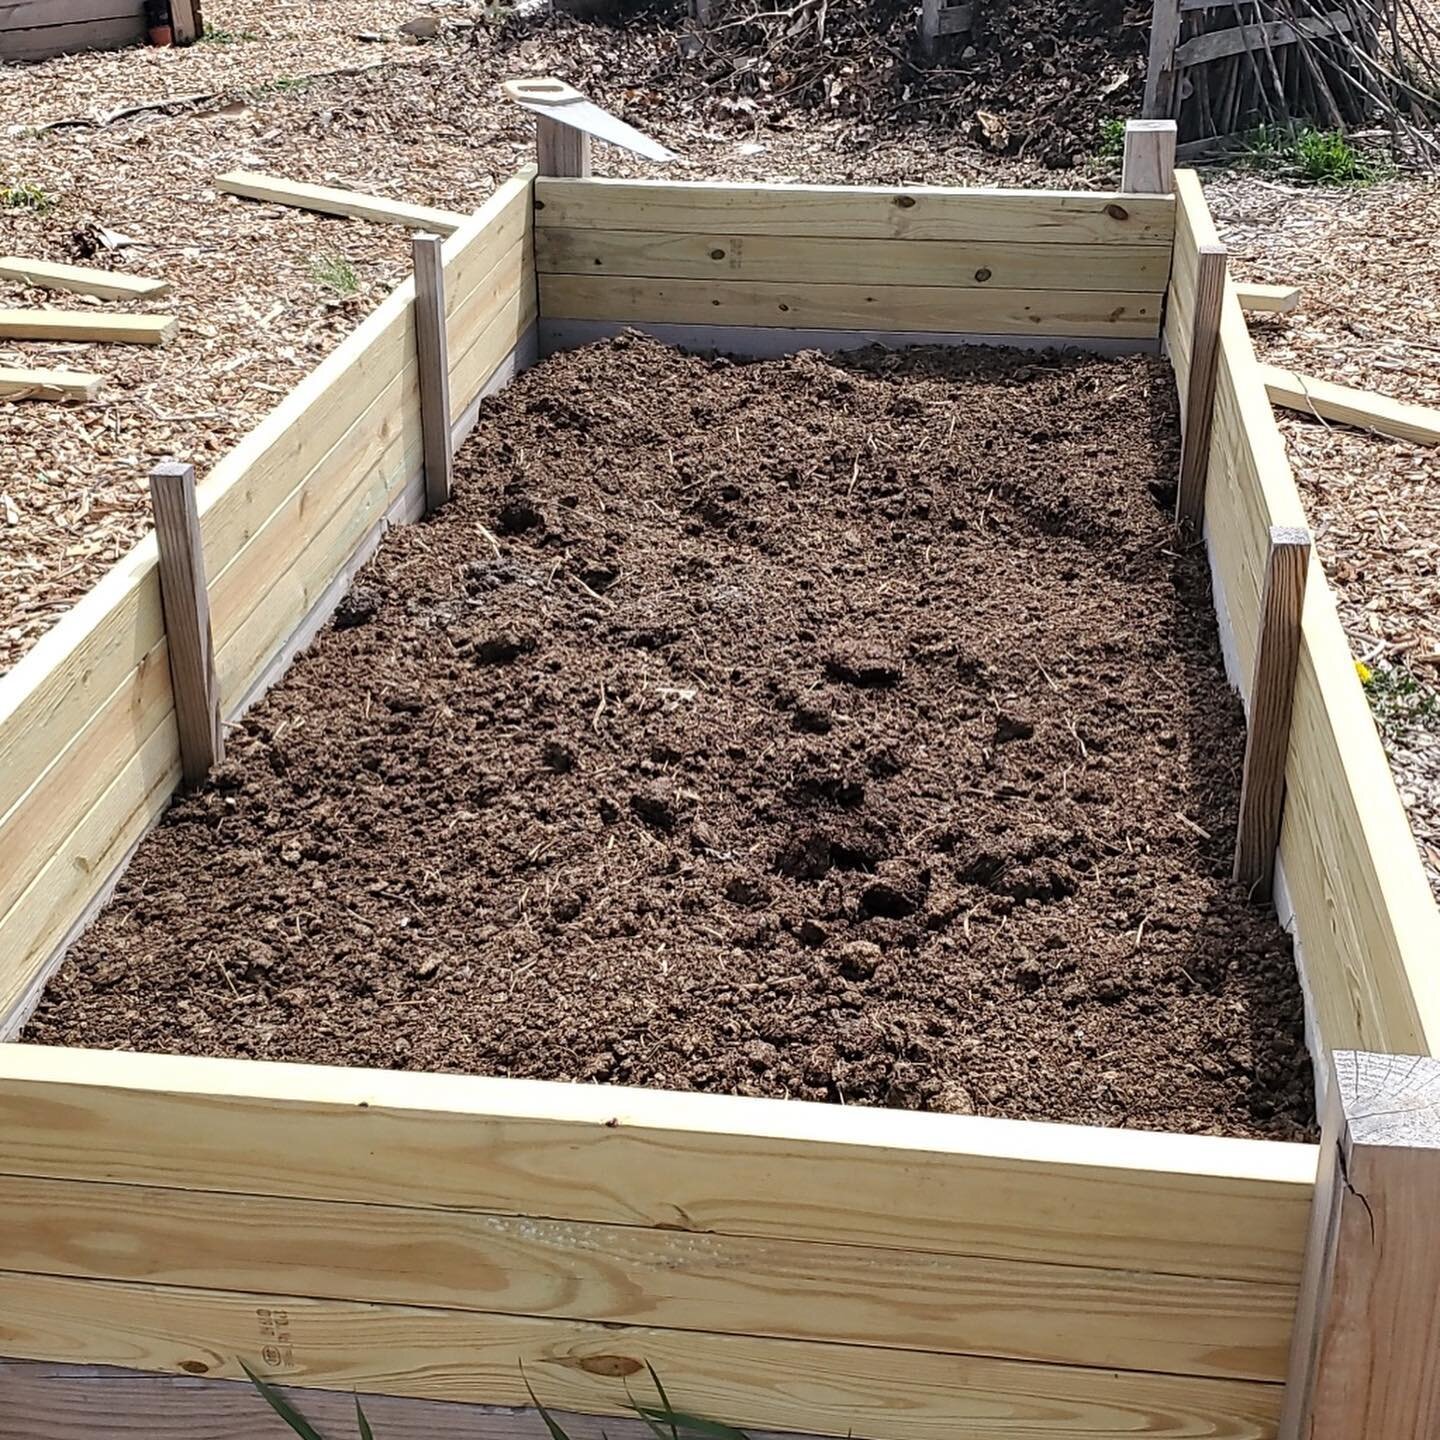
[783, 1265]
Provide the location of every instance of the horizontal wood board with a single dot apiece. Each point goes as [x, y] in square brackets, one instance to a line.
[853, 259]
[1366, 925]
[87, 743]
[448, 1355]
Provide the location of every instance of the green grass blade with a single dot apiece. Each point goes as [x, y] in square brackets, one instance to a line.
[664, 1398]
[282, 1407]
[366, 1433]
[551, 1424]
[691, 1424]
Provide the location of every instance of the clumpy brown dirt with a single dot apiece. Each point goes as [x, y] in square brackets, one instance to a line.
[844, 729]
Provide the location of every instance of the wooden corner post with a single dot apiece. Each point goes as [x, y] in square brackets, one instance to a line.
[432, 347]
[1272, 695]
[1364, 1357]
[186, 605]
[560, 149]
[1211, 261]
[1149, 166]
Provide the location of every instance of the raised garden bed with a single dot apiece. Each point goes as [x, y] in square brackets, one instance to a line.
[795, 1266]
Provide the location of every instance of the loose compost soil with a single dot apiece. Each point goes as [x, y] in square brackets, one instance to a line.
[850, 729]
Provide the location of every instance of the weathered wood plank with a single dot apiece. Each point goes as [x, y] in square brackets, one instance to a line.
[850, 307]
[1211, 262]
[722, 256]
[1272, 34]
[87, 325]
[330, 200]
[1344, 405]
[1272, 694]
[81, 279]
[738, 1285]
[856, 211]
[449, 1355]
[24, 384]
[432, 351]
[1176, 1204]
[42, 42]
[1365, 1361]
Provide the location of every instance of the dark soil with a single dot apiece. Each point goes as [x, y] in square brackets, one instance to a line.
[844, 729]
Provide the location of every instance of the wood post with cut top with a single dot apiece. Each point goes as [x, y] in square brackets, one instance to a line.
[1277, 653]
[186, 604]
[1210, 267]
[1149, 167]
[1364, 1363]
[433, 351]
[561, 150]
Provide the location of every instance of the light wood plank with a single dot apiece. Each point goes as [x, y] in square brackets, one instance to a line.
[1272, 694]
[1344, 405]
[850, 307]
[74, 1402]
[329, 200]
[856, 211]
[1271, 299]
[434, 362]
[737, 1285]
[23, 384]
[781, 1384]
[81, 279]
[720, 255]
[1178, 1204]
[189, 643]
[87, 325]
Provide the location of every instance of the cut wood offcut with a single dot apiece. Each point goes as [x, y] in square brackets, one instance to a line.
[20, 384]
[328, 200]
[86, 325]
[80, 279]
[1345, 405]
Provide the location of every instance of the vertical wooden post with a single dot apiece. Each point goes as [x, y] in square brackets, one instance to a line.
[1364, 1363]
[1149, 157]
[432, 346]
[1161, 79]
[561, 150]
[187, 24]
[1210, 268]
[186, 604]
[1277, 653]
[929, 26]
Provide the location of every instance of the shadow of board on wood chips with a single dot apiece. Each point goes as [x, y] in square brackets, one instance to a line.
[844, 728]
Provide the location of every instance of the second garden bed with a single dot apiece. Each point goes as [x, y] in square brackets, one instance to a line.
[845, 729]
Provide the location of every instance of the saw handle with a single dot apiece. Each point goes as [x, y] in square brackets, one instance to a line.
[542, 90]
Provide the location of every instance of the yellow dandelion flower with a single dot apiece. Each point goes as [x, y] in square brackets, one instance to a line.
[1365, 673]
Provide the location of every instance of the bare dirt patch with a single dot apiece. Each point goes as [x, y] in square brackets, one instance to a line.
[844, 730]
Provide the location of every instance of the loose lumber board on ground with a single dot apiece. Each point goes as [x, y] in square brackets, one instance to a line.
[81, 279]
[850, 307]
[80, 698]
[1366, 925]
[1344, 405]
[92, 325]
[329, 200]
[1270, 299]
[1169, 1204]
[626, 1274]
[18, 384]
[858, 212]
[75, 1402]
[448, 1355]
[720, 256]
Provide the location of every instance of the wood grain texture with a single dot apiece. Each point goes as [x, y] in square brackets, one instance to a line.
[776, 1384]
[81, 279]
[561, 149]
[1149, 159]
[1161, 71]
[1271, 697]
[856, 212]
[189, 644]
[1268, 299]
[79, 1402]
[1362, 909]
[1364, 1359]
[329, 200]
[29, 384]
[1344, 405]
[1270, 34]
[1211, 261]
[850, 307]
[461, 1260]
[87, 325]
[1173, 1204]
[722, 256]
[432, 349]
